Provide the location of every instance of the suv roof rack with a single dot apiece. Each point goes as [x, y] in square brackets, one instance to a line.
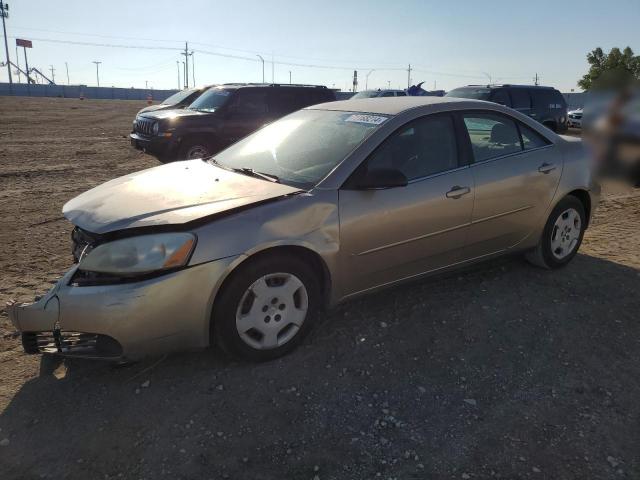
[498, 85]
[236, 84]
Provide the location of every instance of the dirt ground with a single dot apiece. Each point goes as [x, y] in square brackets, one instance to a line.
[500, 371]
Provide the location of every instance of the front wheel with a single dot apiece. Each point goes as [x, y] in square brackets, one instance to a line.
[195, 149]
[562, 235]
[266, 308]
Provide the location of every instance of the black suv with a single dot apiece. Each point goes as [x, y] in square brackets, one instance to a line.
[219, 117]
[544, 104]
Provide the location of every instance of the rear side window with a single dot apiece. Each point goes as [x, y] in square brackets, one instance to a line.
[548, 99]
[531, 138]
[492, 135]
[387, 94]
[420, 148]
[401, 94]
[287, 101]
[521, 98]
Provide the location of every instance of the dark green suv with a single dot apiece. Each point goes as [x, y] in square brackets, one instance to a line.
[544, 104]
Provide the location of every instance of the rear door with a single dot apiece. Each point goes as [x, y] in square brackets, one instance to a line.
[390, 234]
[501, 96]
[516, 172]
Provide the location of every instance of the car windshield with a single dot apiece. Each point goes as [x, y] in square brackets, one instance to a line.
[211, 100]
[302, 148]
[178, 97]
[366, 94]
[473, 93]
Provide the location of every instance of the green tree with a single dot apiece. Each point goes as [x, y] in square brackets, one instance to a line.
[614, 70]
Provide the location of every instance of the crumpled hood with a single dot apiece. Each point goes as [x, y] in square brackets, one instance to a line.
[169, 194]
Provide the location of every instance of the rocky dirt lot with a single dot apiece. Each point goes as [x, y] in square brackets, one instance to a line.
[500, 371]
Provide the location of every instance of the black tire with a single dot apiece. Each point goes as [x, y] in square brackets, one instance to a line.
[195, 148]
[223, 322]
[543, 256]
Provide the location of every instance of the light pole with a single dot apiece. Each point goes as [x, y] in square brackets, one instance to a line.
[193, 68]
[289, 77]
[178, 65]
[366, 79]
[97, 71]
[66, 66]
[4, 13]
[262, 60]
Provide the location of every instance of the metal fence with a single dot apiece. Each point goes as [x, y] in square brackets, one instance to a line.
[76, 91]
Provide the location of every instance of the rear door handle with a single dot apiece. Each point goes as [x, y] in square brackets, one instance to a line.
[546, 168]
[457, 192]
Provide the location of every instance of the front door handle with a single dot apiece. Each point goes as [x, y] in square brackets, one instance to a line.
[457, 192]
[546, 168]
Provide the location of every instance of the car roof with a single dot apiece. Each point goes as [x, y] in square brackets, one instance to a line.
[395, 105]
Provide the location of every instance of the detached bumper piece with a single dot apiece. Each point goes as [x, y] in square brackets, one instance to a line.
[73, 344]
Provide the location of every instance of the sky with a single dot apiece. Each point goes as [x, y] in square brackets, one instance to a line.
[448, 43]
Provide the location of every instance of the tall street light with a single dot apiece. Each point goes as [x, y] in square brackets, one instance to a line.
[262, 60]
[97, 71]
[366, 79]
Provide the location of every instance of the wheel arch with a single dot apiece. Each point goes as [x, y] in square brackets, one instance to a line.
[585, 199]
[299, 251]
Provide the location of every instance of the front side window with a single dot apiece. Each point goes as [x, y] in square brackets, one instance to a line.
[501, 97]
[302, 148]
[492, 135]
[420, 148]
[211, 100]
[249, 102]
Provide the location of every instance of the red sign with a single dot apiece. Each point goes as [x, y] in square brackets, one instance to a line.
[24, 43]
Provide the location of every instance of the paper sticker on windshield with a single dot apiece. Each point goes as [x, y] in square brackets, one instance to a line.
[370, 119]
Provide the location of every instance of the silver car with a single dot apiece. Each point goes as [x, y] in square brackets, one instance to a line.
[337, 200]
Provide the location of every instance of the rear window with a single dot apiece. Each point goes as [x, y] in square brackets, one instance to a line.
[548, 99]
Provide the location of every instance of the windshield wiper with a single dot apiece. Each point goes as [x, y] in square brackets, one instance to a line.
[265, 176]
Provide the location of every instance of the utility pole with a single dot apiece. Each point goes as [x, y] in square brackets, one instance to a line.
[186, 54]
[536, 80]
[193, 68]
[4, 13]
[178, 66]
[66, 66]
[18, 64]
[355, 80]
[389, 84]
[262, 60]
[97, 71]
[289, 77]
[53, 75]
[409, 76]
[272, 69]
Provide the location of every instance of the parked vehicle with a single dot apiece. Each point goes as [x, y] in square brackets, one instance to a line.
[181, 99]
[379, 93]
[244, 249]
[219, 117]
[544, 104]
[575, 118]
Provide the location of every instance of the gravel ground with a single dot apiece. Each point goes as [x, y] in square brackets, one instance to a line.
[499, 371]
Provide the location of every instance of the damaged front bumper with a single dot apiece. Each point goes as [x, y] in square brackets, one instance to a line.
[122, 321]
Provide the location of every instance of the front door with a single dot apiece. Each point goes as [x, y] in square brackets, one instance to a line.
[516, 172]
[247, 112]
[391, 234]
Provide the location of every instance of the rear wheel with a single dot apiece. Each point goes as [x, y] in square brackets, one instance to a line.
[562, 235]
[266, 308]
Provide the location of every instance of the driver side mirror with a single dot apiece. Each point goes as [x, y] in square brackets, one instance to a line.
[380, 178]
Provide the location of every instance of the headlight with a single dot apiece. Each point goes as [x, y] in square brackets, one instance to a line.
[139, 255]
[156, 128]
